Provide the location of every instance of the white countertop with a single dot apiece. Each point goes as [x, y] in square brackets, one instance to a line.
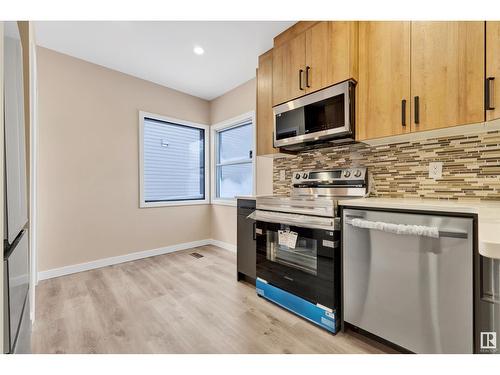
[250, 196]
[488, 213]
[245, 197]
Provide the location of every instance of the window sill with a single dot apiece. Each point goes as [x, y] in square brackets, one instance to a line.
[174, 203]
[224, 202]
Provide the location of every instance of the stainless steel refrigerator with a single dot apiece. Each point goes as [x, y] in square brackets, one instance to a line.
[17, 325]
[488, 333]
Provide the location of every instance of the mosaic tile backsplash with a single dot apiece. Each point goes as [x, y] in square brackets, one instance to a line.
[471, 167]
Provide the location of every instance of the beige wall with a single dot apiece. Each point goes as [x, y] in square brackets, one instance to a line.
[240, 100]
[88, 184]
[88, 164]
[223, 223]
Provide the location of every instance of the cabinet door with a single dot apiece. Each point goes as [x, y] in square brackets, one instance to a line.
[265, 118]
[331, 51]
[246, 246]
[447, 74]
[288, 70]
[493, 67]
[384, 79]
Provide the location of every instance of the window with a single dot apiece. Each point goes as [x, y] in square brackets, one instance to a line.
[233, 159]
[173, 162]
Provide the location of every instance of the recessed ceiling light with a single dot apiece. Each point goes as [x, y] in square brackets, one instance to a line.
[198, 50]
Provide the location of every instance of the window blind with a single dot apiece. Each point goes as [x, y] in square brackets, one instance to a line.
[174, 161]
[234, 172]
[235, 143]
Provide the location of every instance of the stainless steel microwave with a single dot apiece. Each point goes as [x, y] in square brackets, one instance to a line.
[323, 116]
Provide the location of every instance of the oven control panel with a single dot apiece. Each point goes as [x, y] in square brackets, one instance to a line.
[334, 176]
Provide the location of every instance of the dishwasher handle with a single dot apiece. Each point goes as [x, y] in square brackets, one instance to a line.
[405, 229]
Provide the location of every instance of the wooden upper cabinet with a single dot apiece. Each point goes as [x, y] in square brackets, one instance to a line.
[384, 80]
[331, 54]
[288, 69]
[264, 105]
[493, 68]
[447, 74]
[313, 55]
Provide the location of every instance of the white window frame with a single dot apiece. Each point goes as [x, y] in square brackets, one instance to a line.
[214, 129]
[142, 202]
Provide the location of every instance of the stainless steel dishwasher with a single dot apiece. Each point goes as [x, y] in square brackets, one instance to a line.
[408, 278]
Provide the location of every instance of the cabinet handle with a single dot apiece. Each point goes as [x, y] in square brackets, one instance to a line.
[300, 79]
[308, 68]
[417, 110]
[403, 112]
[254, 230]
[488, 93]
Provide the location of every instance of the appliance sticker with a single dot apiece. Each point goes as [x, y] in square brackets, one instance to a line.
[287, 238]
[283, 238]
[292, 239]
[330, 314]
[328, 243]
[327, 322]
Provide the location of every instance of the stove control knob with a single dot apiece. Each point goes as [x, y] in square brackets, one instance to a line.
[357, 173]
[347, 174]
[304, 176]
[297, 176]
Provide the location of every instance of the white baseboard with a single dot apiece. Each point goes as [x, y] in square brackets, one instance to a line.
[223, 245]
[75, 268]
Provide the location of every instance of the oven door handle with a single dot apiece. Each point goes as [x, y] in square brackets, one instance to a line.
[326, 223]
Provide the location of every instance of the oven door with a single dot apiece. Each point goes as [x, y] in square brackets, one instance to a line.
[309, 269]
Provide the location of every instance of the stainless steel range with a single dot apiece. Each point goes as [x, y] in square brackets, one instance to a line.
[298, 243]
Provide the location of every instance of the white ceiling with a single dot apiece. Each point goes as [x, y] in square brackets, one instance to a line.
[162, 51]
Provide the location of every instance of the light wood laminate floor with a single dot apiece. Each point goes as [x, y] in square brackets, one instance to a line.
[174, 303]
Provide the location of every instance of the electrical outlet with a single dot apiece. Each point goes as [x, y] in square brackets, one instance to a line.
[282, 175]
[435, 170]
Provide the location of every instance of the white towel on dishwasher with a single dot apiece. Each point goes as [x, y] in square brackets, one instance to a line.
[412, 230]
